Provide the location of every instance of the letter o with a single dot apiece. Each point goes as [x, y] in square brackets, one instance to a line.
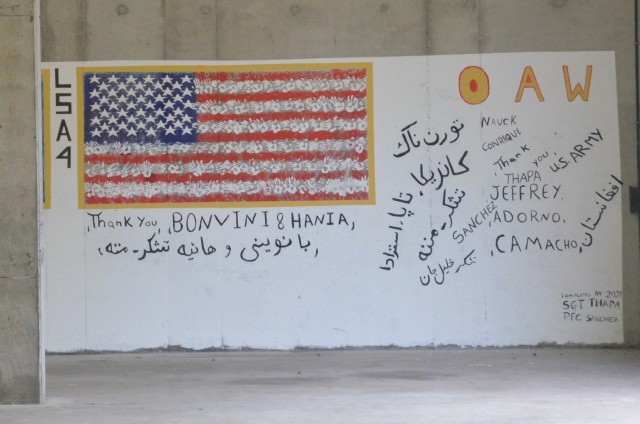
[473, 84]
[191, 222]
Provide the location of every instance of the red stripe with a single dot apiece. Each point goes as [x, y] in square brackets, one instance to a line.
[224, 198]
[276, 96]
[331, 74]
[281, 135]
[220, 178]
[168, 158]
[282, 116]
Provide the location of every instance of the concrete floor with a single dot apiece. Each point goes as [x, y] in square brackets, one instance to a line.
[542, 385]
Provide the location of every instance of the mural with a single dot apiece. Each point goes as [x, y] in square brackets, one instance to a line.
[221, 136]
[238, 205]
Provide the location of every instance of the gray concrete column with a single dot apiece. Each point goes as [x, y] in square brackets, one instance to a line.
[20, 371]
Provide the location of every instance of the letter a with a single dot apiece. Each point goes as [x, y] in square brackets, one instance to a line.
[572, 93]
[529, 81]
[63, 131]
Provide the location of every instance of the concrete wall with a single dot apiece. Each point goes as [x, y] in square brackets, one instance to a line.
[280, 29]
[19, 322]
[267, 29]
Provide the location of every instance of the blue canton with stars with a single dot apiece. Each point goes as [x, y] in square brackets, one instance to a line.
[140, 107]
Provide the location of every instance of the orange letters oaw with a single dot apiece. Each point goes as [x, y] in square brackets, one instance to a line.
[529, 80]
[578, 90]
[473, 84]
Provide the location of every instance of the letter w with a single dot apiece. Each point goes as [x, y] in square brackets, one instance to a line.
[572, 93]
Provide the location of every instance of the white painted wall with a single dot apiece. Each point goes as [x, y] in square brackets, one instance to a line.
[342, 297]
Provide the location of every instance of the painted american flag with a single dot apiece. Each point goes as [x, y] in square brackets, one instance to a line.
[153, 137]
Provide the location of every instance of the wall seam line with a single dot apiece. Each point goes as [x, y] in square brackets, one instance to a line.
[39, 212]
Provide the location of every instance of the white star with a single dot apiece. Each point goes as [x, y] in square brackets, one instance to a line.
[94, 79]
[186, 130]
[148, 92]
[171, 130]
[122, 113]
[131, 131]
[131, 92]
[95, 132]
[187, 91]
[112, 132]
[150, 105]
[111, 92]
[131, 119]
[186, 79]
[104, 127]
[122, 86]
[157, 85]
[186, 118]
[122, 99]
[113, 106]
[104, 114]
[113, 80]
[130, 79]
[189, 104]
[166, 79]
[148, 79]
[103, 100]
[131, 105]
[171, 118]
[140, 112]
[140, 125]
[178, 112]
[159, 98]
[161, 124]
[168, 104]
[176, 85]
[94, 93]
[178, 124]
[95, 121]
[178, 98]
[102, 86]
[167, 92]
[122, 126]
[94, 107]
[112, 120]
[139, 86]
[151, 131]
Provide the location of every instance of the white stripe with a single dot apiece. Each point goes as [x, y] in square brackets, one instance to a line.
[270, 187]
[323, 104]
[280, 86]
[295, 125]
[124, 148]
[236, 168]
